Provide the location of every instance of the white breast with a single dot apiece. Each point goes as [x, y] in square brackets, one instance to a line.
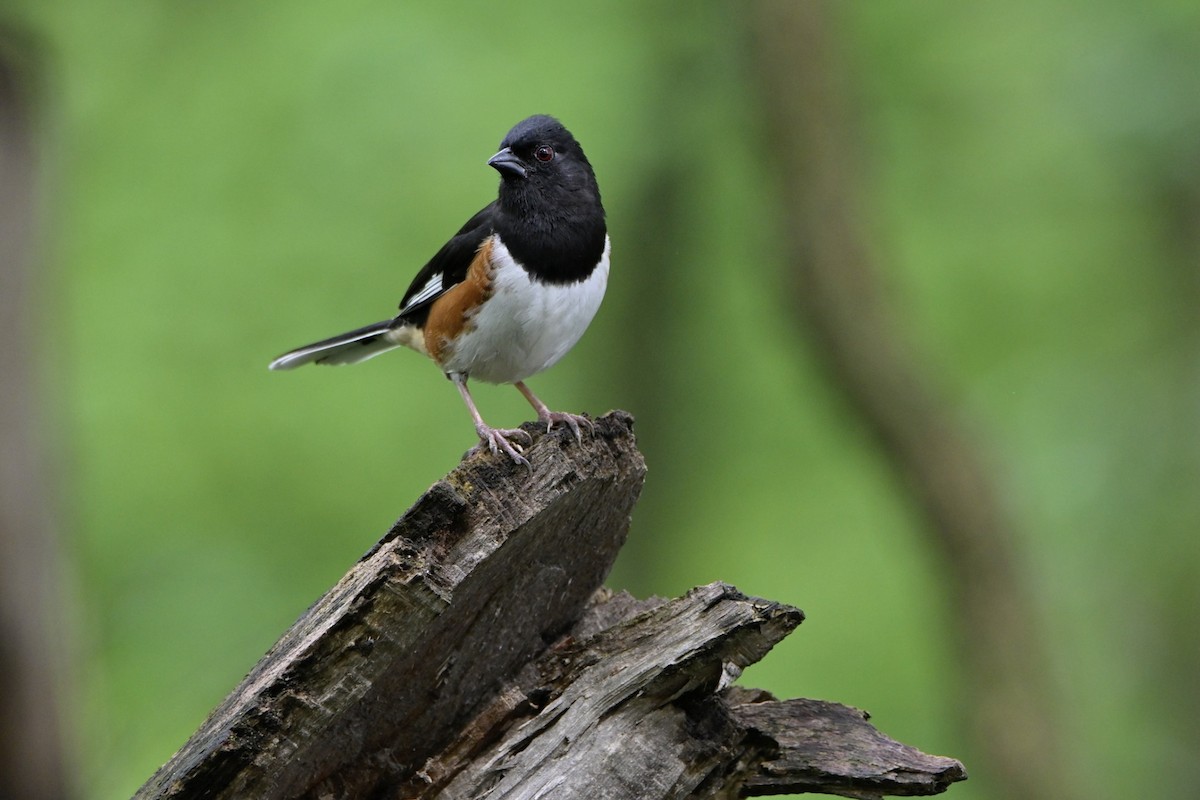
[525, 326]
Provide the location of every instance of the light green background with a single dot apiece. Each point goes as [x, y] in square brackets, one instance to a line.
[225, 180]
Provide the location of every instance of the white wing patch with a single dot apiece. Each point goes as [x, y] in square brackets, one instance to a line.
[429, 291]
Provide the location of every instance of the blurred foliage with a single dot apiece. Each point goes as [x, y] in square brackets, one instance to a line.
[227, 180]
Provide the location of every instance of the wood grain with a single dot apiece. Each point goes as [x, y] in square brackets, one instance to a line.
[490, 565]
[472, 653]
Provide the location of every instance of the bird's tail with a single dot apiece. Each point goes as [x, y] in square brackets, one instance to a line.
[347, 348]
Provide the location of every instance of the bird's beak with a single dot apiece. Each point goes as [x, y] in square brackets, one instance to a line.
[506, 161]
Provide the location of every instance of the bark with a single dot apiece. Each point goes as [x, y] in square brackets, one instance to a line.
[473, 653]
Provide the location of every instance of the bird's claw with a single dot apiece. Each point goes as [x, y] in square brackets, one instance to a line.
[572, 421]
[499, 440]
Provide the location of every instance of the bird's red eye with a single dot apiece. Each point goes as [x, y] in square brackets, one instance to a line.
[544, 152]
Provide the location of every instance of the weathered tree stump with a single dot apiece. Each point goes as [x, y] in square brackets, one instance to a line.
[474, 653]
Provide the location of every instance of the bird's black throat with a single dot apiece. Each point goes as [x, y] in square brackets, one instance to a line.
[558, 238]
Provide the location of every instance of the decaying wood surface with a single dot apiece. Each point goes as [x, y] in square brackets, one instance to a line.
[473, 653]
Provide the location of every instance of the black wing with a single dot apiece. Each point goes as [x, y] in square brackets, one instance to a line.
[447, 268]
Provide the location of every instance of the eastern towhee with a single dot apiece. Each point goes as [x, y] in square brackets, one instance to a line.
[512, 291]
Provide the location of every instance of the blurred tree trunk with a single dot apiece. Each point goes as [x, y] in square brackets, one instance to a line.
[1175, 596]
[835, 291]
[654, 224]
[31, 754]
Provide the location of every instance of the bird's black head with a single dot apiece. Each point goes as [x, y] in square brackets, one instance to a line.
[549, 213]
[541, 157]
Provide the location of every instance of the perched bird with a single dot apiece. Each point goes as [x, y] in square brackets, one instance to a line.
[512, 291]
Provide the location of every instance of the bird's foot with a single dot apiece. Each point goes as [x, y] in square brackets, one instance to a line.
[572, 421]
[499, 440]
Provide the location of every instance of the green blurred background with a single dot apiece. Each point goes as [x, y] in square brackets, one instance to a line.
[222, 181]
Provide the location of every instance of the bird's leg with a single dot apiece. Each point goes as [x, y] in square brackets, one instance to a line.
[548, 417]
[496, 439]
